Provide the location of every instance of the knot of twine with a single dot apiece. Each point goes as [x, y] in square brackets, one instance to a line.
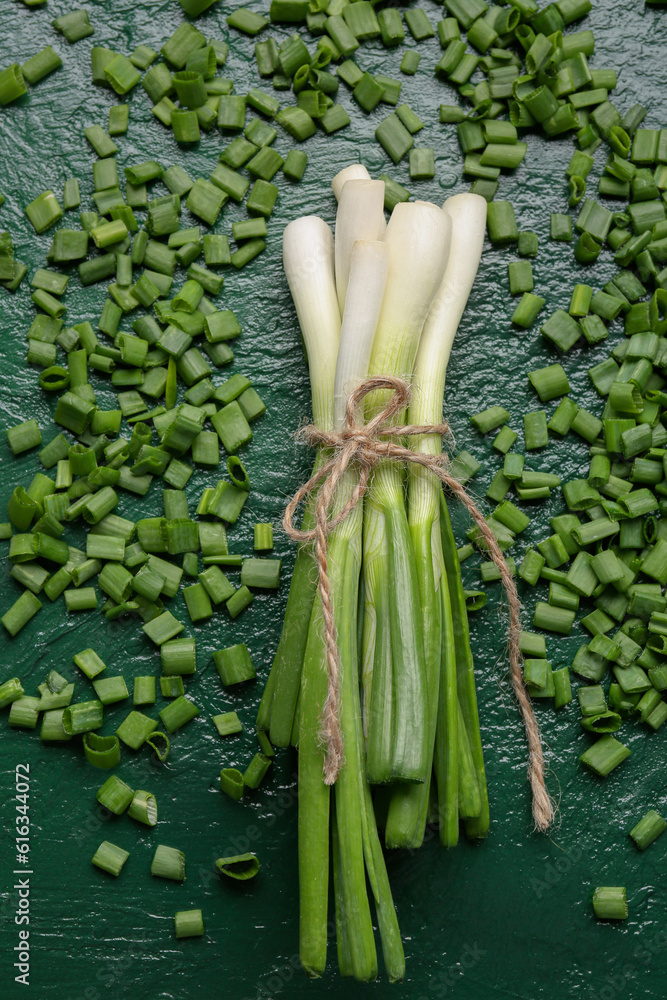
[365, 445]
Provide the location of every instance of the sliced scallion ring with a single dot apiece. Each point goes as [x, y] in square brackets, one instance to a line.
[160, 754]
[54, 379]
[101, 751]
[241, 867]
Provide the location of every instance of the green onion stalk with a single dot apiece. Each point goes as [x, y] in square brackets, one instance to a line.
[452, 721]
[394, 667]
[357, 856]
[308, 259]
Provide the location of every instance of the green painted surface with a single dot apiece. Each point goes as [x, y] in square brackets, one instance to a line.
[509, 918]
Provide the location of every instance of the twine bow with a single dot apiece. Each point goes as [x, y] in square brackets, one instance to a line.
[365, 445]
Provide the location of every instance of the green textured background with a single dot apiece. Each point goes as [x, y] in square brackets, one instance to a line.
[509, 918]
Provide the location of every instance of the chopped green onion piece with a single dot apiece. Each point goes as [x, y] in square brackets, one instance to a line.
[553, 619]
[178, 713]
[143, 808]
[89, 663]
[20, 613]
[549, 382]
[110, 858]
[10, 691]
[256, 770]
[604, 755]
[246, 21]
[189, 923]
[197, 602]
[23, 437]
[232, 783]
[24, 712]
[82, 717]
[501, 223]
[115, 795]
[648, 829]
[52, 727]
[168, 862]
[135, 729]
[394, 138]
[110, 690]
[171, 687]
[535, 430]
[163, 628]
[610, 903]
[227, 724]
[144, 690]
[240, 867]
[234, 665]
[562, 687]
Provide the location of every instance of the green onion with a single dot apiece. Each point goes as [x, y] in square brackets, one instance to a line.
[20, 613]
[246, 21]
[197, 602]
[501, 223]
[40, 65]
[135, 729]
[561, 330]
[527, 310]
[520, 275]
[239, 602]
[610, 903]
[89, 663]
[535, 430]
[12, 84]
[562, 687]
[168, 862]
[52, 726]
[82, 717]
[110, 858]
[101, 751]
[227, 724]
[256, 770]
[23, 437]
[232, 783]
[604, 755]
[240, 867]
[561, 227]
[161, 752]
[24, 712]
[553, 619]
[144, 690]
[171, 687]
[394, 138]
[189, 923]
[163, 628]
[10, 691]
[549, 382]
[44, 211]
[143, 808]
[490, 419]
[263, 573]
[648, 829]
[178, 713]
[234, 665]
[114, 795]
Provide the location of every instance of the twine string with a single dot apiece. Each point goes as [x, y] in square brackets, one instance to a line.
[366, 445]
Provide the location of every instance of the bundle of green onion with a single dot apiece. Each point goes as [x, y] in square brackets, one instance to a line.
[381, 299]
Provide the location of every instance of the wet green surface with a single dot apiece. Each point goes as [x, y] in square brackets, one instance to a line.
[509, 918]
